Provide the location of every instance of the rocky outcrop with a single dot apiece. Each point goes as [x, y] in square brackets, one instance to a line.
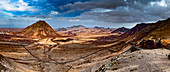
[5, 65]
[151, 44]
[139, 61]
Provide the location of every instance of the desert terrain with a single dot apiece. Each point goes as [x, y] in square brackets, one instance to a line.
[40, 48]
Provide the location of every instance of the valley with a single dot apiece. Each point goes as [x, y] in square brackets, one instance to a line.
[39, 48]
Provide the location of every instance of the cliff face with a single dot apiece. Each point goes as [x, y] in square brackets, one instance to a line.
[39, 29]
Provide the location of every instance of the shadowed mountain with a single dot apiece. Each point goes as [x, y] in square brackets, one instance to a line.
[155, 35]
[134, 30]
[128, 33]
[60, 29]
[39, 29]
[119, 30]
[70, 28]
[158, 33]
[77, 27]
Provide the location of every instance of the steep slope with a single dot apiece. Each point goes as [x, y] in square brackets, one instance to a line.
[130, 32]
[162, 32]
[156, 35]
[122, 29]
[134, 30]
[156, 30]
[39, 29]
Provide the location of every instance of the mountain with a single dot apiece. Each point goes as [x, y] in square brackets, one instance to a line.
[99, 27]
[122, 29]
[134, 30]
[39, 29]
[146, 35]
[61, 29]
[127, 33]
[77, 27]
[155, 35]
[96, 27]
[70, 28]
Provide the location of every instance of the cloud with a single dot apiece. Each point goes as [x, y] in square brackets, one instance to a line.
[132, 12]
[54, 12]
[82, 6]
[19, 5]
[105, 4]
[34, 16]
[74, 20]
[101, 10]
[113, 13]
[161, 3]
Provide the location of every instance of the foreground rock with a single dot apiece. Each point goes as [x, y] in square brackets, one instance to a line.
[7, 65]
[140, 61]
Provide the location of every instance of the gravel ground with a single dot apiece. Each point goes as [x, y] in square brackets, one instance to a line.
[142, 61]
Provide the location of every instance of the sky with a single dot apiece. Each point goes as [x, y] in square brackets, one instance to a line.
[90, 13]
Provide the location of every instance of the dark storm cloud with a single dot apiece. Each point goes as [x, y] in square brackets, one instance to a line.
[144, 2]
[121, 11]
[108, 4]
[81, 6]
[92, 12]
[120, 15]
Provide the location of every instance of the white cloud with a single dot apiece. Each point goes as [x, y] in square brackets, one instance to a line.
[74, 20]
[101, 10]
[54, 12]
[15, 6]
[161, 3]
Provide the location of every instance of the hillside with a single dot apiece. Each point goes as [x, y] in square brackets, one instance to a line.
[156, 35]
[39, 29]
[134, 30]
[124, 32]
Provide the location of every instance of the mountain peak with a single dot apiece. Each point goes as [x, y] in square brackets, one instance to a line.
[121, 29]
[40, 29]
[41, 21]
